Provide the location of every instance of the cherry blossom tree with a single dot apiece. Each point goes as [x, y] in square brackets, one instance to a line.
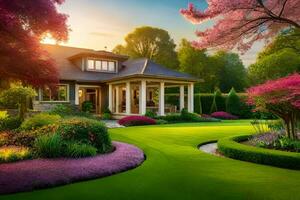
[22, 25]
[280, 97]
[239, 23]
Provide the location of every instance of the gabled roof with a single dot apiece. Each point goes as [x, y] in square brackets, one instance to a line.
[64, 57]
[146, 67]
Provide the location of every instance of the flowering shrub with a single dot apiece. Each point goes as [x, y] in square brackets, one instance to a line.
[136, 121]
[280, 97]
[223, 115]
[39, 120]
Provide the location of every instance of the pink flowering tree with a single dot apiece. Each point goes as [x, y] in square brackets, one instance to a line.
[22, 25]
[280, 97]
[239, 23]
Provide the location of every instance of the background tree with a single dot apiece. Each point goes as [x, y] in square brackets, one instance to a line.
[199, 64]
[149, 42]
[280, 58]
[19, 96]
[218, 102]
[280, 97]
[22, 25]
[239, 23]
[231, 71]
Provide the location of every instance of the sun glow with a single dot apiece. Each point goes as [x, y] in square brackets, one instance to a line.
[48, 39]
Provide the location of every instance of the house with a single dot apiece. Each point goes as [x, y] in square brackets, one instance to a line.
[125, 86]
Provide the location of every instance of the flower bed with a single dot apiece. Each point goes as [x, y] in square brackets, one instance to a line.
[231, 147]
[223, 115]
[43, 173]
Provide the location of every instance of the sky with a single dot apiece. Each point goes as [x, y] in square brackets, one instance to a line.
[97, 24]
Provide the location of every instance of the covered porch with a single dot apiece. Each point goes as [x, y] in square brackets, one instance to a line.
[136, 96]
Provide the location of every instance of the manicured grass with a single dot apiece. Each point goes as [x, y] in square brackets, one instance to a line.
[176, 169]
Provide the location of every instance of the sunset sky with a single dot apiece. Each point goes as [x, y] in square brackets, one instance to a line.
[99, 23]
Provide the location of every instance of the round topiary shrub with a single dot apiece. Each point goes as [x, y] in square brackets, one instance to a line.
[136, 121]
[85, 131]
[39, 120]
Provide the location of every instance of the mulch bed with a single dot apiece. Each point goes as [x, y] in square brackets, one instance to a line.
[44, 173]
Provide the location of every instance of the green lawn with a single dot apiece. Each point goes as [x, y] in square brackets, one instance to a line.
[176, 169]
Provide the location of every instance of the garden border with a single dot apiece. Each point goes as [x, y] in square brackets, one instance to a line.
[29, 175]
[230, 147]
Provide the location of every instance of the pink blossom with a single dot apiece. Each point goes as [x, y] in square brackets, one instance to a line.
[239, 23]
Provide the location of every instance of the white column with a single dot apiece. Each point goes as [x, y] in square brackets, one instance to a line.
[110, 97]
[181, 97]
[161, 108]
[117, 99]
[142, 100]
[191, 97]
[128, 98]
[76, 94]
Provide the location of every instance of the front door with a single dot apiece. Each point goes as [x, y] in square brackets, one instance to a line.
[91, 95]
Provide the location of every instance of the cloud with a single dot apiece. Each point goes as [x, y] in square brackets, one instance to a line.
[102, 34]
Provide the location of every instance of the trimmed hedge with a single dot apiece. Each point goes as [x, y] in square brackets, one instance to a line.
[231, 147]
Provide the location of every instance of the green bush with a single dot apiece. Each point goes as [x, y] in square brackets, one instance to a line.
[13, 154]
[77, 150]
[233, 103]
[151, 114]
[189, 117]
[49, 146]
[86, 131]
[63, 110]
[173, 117]
[218, 103]
[161, 121]
[39, 120]
[87, 106]
[231, 147]
[106, 116]
[10, 123]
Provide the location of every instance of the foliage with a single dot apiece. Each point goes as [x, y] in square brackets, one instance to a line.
[231, 147]
[221, 70]
[223, 115]
[233, 103]
[161, 121]
[106, 110]
[23, 25]
[218, 103]
[10, 123]
[77, 150]
[260, 126]
[49, 146]
[87, 106]
[199, 63]
[136, 121]
[67, 110]
[3, 115]
[106, 116]
[231, 71]
[238, 24]
[280, 97]
[39, 120]
[151, 114]
[13, 154]
[19, 96]
[87, 131]
[149, 42]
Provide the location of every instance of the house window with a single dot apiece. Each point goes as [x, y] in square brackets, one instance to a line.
[101, 65]
[61, 94]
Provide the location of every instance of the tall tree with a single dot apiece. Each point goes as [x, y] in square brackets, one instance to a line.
[198, 63]
[239, 23]
[232, 72]
[280, 58]
[149, 42]
[22, 25]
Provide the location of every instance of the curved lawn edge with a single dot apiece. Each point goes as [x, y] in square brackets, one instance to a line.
[231, 148]
[44, 173]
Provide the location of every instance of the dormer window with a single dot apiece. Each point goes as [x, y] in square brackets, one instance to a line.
[101, 65]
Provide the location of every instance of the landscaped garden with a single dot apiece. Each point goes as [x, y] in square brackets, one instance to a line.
[176, 169]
